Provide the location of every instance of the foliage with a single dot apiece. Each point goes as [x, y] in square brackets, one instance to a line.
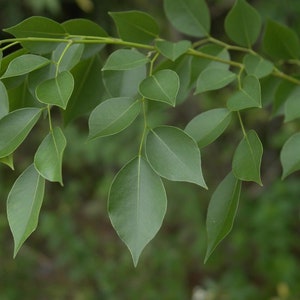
[56, 71]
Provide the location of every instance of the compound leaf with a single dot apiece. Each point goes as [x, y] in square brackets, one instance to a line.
[257, 66]
[4, 104]
[172, 50]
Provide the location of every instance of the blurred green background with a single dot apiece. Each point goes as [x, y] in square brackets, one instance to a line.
[75, 253]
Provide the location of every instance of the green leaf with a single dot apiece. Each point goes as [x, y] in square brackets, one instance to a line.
[174, 155]
[173, 50]
[291, 106]
[213, 79]
[248, 96]
[208, 126]
[189, 16]
[283, 91]
[4, 104]
[257, 66]
[137, 205]
[280, 42]
[247, 158]
[40, 27]
[243, 24]
[113, 116]
[23, 205]
[125, 59]
[289, 155]
[14, 128]
[135, 26]
[8, 160]
[221, 212]
[162, 86]
[56, 91]
[48, 158]
[25, 64]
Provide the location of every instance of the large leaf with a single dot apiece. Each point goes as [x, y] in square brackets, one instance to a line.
[247, 158]
[4, 104]
[174, 155]
[208, 126]
[135, 26]
[248, 96]
[221, 212]
[48, 158]
[25, 64]
[56, 91]
[23, 205]
[213, 78]
[112, 116]
[291, 105]
[125, 59]
[172, 50]
[243, 24]
[189, 16]
[289, 155]
[137, 205]
[257, 66]
[14, 127]
[161, 86]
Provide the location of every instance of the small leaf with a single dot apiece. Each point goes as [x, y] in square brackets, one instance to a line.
[213, 79]
[125, 59]
[221, 212]
[174, 155]
[14, 128]
[286, 45]
[257, 66]
[291, 106]
[243, 24]
[249, 96]
[48, 158]
[289, 155]
[8, 160]
[135, 26]
[208, 126]
[4, 104]
[247, 158]
[137, 205]
[189, 16]
[173, 50]
[56, 91]
[161, 86]
[25, 64]
[113, 116]
[23, 205]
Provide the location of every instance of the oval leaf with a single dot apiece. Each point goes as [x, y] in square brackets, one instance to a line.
[4, 104]
[162, 86]
[291, 106]
[174, 155]
[208, 126]
[173, 50]
[247, 158]
[137, 205]
[56, 91]
[19, 122]
[48, 158]
[112, 116]
[257, 66]
[221, 212]
[289, 155]
[23, 205]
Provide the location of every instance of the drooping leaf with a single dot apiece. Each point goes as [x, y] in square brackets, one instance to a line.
[289, 155]
[125, 59]
[56, 91]
[257, 66]
[137, 205]
[243, 24]
[49, 155]
[191, 17]
[291, 105]
[23, 205]
[172, 50]
[161, 86]
[14, 127]
[113, 116]
[248, 96]
[25, 64]
[8, 160]
[174, 155]
[221, 212]
[135, 26]
[4, 104]
[213, 78]
[208, 126]
[247, 158]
